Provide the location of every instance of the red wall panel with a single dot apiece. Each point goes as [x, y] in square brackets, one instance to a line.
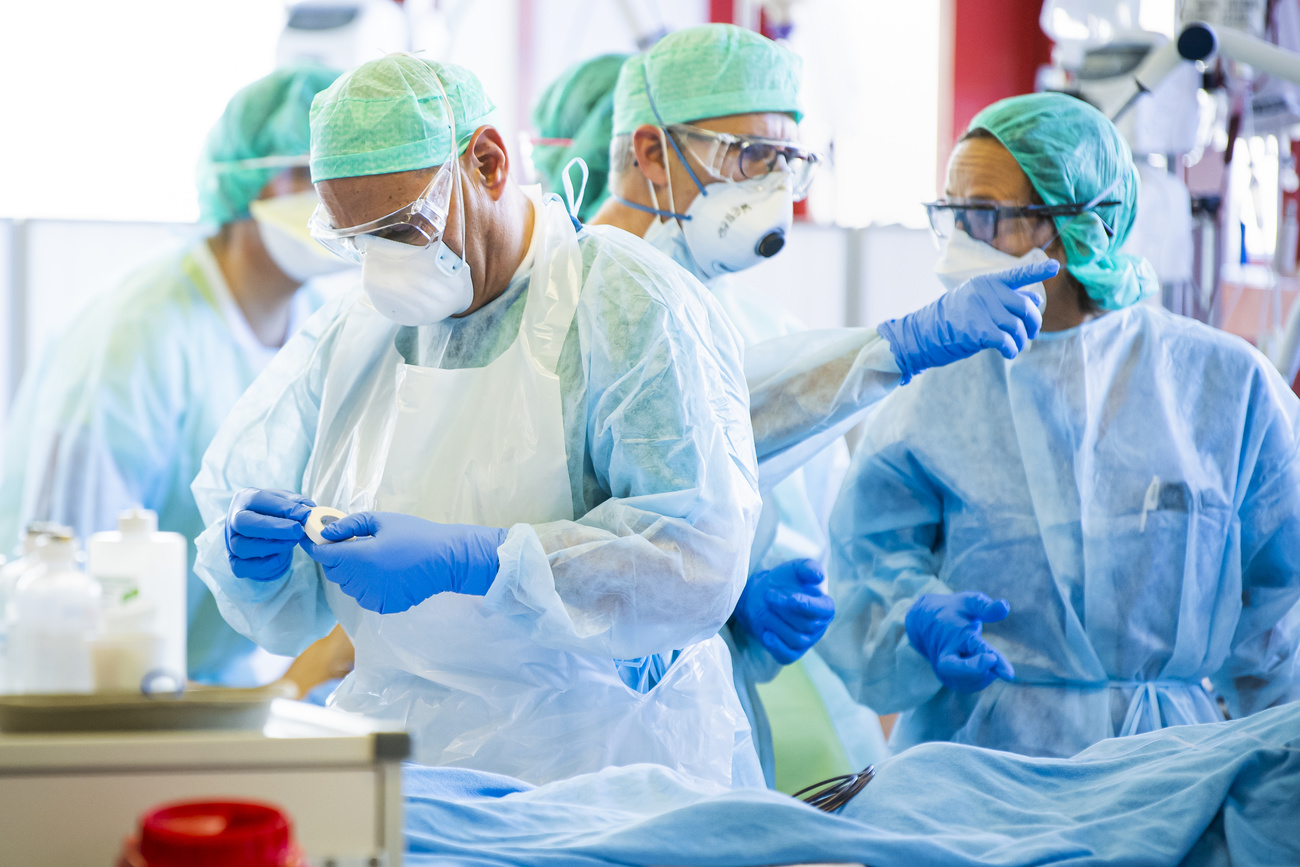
[998, 47]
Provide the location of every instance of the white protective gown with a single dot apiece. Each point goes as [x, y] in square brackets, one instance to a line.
[598, 410]
[806, 388]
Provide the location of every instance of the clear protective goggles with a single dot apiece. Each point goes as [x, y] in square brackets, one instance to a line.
[419, 224]
[983, 220]
[728, 157]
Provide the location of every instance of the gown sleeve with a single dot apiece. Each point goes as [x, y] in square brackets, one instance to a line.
[659, 563]
[266, 443]
[886, 538]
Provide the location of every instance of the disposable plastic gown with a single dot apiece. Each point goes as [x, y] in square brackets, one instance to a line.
[660, 461]
[1130, 486]
[806, 388]
[119, 412]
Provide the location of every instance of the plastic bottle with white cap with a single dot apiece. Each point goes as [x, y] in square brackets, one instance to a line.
[10, 573]
[144, 574]
[53, 618]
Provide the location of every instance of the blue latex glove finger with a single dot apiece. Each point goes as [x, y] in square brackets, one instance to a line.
[268, 514]
[977, 606]
[1027, 275]
[253, 525]
[262, 568]
[805, 572]
[781, 652]
[801, 639]
[251, 547]
[966, 674]
[801, 609]
[351, 526]
[1011, 326]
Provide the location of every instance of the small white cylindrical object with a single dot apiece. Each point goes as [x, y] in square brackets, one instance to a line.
[320, 518]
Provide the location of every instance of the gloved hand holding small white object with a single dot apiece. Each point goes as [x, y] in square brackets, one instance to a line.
[990, 311]
[394, 561]
[946, 629]
[262, 528]
[320, 518]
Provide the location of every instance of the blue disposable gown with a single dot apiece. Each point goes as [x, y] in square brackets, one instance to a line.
[1131, 486]
[659, 451]
[119, 411]
[781, 357]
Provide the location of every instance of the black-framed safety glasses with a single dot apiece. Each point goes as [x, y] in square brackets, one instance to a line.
[981, 220]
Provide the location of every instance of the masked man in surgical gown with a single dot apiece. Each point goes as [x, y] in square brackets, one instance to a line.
[120, 409]
[1034, 555]
[706, 166]
[542, 438]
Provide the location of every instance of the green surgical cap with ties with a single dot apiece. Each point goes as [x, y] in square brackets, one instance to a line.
[388, 115]
[574, 118]
[262, 132]
[1073, 154]
[712, 70]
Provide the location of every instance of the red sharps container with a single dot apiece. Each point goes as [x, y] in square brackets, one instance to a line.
[213, 834]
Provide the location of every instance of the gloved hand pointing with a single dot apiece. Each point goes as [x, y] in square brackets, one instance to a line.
[261, 529]
[945, 629]
[986, 312]
[786, 609]
[390, 562]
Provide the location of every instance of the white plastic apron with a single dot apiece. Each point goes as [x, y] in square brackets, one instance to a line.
[486, 446]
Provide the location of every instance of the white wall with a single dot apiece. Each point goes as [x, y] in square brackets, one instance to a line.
[60, 284]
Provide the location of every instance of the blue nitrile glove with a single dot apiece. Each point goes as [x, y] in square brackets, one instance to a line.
[985, 312]
[261, 529]
[786, 609]
[390, 562]
[945, 629]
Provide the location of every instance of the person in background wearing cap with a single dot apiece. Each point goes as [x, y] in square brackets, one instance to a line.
[1120, 505]
[121, 407]
[574, 119]
[705, 165]
[541, 440]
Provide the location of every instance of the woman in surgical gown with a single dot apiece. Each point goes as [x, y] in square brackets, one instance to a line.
[1129, 485]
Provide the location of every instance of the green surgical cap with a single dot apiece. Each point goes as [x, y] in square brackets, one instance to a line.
[265, 120]
[1072, 154]
[712, 70]
[579, 106]
[388, 116]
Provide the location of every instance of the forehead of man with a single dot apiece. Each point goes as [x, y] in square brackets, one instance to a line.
[357, 200]
[765, 124]
[982, 169]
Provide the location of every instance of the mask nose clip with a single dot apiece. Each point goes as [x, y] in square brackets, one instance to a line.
[771, 243]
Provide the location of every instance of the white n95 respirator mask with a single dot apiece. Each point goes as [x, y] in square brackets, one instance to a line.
[282, 225]
[414, 285]
[962, 257]
[734, 225]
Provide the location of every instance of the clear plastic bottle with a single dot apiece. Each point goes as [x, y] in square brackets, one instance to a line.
[10, 573]
[143, 574]
[53, 618]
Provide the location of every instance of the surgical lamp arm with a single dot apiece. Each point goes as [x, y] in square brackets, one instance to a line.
[1200, 41]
